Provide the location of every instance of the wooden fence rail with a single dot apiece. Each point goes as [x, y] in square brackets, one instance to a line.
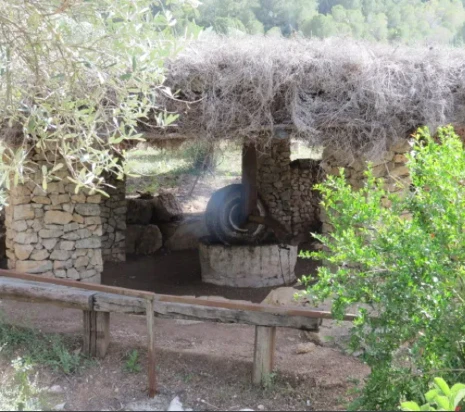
[98, 301]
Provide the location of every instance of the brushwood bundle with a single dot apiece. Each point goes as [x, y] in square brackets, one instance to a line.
[352, 96]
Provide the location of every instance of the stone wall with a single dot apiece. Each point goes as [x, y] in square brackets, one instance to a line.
[392, 167]
[54, 232]
[274, 179]
[113, 214]
[287, 188]
[305, 201]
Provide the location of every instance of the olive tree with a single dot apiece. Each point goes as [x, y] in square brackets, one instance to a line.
[81, 76]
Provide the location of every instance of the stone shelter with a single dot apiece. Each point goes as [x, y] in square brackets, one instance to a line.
[360, 102]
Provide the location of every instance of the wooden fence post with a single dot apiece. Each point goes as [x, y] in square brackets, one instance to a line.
[263, 362]
[150, 313]
[96, 333]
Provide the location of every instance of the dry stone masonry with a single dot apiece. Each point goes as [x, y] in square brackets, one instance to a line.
[57, 232]
[392, 167]
[287, 188]
[113, 214]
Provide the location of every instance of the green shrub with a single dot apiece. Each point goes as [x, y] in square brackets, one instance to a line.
[440, 398]
[403, 266]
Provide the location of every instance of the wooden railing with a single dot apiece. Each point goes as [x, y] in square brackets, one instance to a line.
[98, 301]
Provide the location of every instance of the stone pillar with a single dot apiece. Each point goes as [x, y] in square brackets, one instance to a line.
[54, 232]
[274, 179]
[113, 213]
[305, 200]
[392, 167]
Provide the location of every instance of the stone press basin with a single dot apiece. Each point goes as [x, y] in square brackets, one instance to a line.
[248, 266]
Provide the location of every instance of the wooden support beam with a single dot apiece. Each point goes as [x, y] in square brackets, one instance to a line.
[79, 285]
[152, 372]
[264, 355]
[96, 333]
[27, 291]
[249, 181]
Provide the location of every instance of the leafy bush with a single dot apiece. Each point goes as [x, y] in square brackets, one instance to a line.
[440, 398]
[403, 266]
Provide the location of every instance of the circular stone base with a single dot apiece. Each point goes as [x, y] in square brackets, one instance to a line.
[248, 266]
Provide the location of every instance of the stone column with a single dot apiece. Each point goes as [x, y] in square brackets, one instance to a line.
[274, 179]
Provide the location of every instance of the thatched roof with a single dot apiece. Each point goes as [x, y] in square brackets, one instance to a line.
[347, 94]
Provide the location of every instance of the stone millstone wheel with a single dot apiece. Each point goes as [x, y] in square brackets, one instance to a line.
[223, 216]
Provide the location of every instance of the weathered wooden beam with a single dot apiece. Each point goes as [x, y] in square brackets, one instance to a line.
[168, 310]
[249, 181]
[96, 333]
[264, 354]
[79, 285]
[180, 307]
[152, 372]
[27, 291]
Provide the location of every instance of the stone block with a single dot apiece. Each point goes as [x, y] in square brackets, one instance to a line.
[49, 244]
[20, 200]
[22, 252]
[33, 267]
[71, 236]
[26, 238]
[60, 199]
[73, 274]
[42, 200]
[68, 207]
[58, 217]
[94, 199]
[40, 255]
[81, 262]
[78, 218]
[19, 226]
[90, 243]
[139, 211]
[67, 245]
[60, 255]
[51, 233]
[60, 274]
[23, 212]
[79, 198]
[56, 187]
[86, 209]
[63, 264]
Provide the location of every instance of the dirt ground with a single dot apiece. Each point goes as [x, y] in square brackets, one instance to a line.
[178, 273]
[208, 366]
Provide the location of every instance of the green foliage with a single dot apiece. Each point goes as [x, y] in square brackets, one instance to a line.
[440, 398]
[40, 349]
[132, 364]
[406, 21]
[79, 77]
[403, 266]
[22, 392]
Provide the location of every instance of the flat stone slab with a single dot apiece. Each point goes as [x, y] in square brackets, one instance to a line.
[248, 266]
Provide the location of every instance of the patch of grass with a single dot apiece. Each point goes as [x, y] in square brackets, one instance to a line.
[159, 168]
[21, 392]
[132, 363]
[36, 348]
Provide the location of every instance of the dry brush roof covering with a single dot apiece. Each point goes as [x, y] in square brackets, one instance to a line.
[342, 93]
